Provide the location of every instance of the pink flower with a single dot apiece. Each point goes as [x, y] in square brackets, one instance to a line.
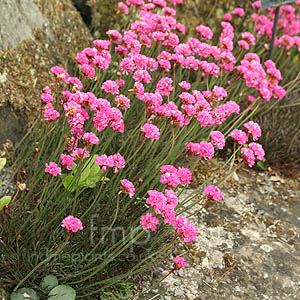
[171, 179]
[217, 139]
[205, 32]
[90, 139]
[115, 36]
[238, 11]
[185, 86]
[157, 200]
[239, 135]
[127, 187]
[185, 229]
[168, 168]
[227, 17]
[171, 198]
[149, 222]
[50, 114]
[123, 8]
[243, 44]
[184, 175]
[213, 192]
[67, 161]
[142, 76]
[104, 161]
[202, 149]
[61, 73]
[248, 154]
[122, 101]
[110, 87]
[179, 262]
[80, 153]
[253, 129]
[72, 224]
[164, 87]
[53, 169]
[46, 97]
[258, 150]
[150, 131]
[88, 71]
[248, 37]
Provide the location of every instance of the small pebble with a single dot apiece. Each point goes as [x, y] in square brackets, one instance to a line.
[155, 291]
[177, 283]
[178, 292]
[237, 289]
[266, 275]
[252, 287]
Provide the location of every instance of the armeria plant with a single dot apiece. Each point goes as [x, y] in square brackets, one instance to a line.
[107, 146]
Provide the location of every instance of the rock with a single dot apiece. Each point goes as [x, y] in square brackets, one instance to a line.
[178, 292]
[34, 36]
[190, 296]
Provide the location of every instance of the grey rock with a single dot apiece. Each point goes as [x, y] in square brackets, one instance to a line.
[18, 18]
[178, 292]
[237, 289]
[177, 283]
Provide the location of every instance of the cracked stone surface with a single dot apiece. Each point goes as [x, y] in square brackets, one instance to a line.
[249, 244]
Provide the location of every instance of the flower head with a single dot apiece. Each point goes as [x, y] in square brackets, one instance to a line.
[127, 187]
[149, 222]
[213, 192]
[72, 224]
[179, 262]
[53, 169]
[150, 131]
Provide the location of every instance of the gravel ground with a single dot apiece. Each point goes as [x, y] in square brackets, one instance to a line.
[248, 246]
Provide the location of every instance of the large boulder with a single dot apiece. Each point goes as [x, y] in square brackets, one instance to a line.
[34, 36]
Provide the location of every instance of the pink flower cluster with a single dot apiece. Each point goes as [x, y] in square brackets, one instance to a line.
[127, 187]
[253, 150]
[151, 131]
[115, 161]
[203, 149]
[288, 22]
[174, 177]
[53, 169]
[179, 262]
[263, 80]
[72, 224]
[213, 193]
[164, 205]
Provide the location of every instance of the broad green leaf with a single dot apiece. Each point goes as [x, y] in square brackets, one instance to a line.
[62, 292]
[49, 282]
[2, 162]
[5, 200]
[24, 293]
[260, 165]
[67, 179]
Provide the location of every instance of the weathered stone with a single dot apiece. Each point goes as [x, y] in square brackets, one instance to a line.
[34, 36]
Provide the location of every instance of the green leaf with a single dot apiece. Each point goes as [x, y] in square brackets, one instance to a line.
[24, 293]
[49, 282]
[0, 182]
[2, 162]
[67, 179]
[260, 165]
[5, 200]
[62, 292]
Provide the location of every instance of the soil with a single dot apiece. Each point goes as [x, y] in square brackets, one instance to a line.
[248, 245]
